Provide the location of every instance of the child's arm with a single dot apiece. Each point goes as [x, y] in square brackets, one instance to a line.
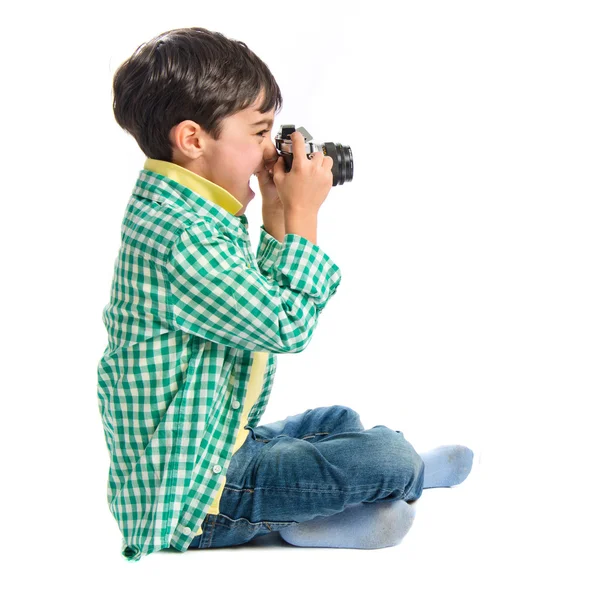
[216, 295]
[268, 252]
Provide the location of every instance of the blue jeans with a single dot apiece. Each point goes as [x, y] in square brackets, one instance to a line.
[313, 464]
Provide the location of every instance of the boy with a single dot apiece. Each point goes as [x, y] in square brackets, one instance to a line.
[195, 322]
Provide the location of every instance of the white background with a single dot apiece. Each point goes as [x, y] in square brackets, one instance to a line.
[467, 312]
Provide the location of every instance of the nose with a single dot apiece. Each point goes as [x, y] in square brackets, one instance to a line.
[270, 155]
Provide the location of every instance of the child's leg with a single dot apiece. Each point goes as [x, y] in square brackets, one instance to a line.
[381, 524]
[365, 525]
[322, 469]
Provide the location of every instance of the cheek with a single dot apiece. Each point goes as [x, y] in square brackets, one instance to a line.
[250, 160]
[241, 161]
[231, 164]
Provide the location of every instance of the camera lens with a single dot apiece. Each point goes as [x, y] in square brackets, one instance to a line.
[343, 163]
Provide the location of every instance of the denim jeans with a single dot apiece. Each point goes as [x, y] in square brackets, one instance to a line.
[313, 464]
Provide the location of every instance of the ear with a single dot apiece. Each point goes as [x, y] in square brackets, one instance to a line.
[188, 138]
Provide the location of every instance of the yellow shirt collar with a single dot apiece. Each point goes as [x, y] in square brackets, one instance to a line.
[203, 187]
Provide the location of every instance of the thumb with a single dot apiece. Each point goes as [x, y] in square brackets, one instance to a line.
[278, 168]
[262, 175]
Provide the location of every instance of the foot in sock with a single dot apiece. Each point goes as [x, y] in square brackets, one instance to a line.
[364, 525]
[446, 466]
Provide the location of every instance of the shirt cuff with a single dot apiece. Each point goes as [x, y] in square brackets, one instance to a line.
[267, 252]
[306, 268]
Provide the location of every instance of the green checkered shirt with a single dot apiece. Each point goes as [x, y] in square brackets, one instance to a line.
[189, 305]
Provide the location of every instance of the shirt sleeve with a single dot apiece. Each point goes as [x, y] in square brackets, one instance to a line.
[217, 295]
[267, 252]
[262, 401]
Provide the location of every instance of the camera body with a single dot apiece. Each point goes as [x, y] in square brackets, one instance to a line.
[343, 163]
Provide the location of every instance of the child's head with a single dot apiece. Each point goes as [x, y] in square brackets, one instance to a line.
[192, 97]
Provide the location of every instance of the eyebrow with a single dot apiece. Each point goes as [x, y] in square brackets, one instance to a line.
[263, 122]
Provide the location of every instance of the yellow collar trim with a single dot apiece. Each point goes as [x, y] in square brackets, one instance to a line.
[203, 187]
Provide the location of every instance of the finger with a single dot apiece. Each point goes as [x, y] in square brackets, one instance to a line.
[298, 148]
[270, 164]
[317, 158]
[278, 167]
[261, 174]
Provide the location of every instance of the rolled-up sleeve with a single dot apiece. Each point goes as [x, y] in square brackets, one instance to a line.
[215, 294]
[268, 251]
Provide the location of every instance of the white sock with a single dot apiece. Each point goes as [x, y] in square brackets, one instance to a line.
[364, 525]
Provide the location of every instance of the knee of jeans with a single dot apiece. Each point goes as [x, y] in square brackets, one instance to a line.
[395, 448]
[344, 417]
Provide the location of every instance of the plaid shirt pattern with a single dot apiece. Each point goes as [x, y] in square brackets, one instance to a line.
[189, 305]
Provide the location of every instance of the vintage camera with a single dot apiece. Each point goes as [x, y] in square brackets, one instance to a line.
[343, 163]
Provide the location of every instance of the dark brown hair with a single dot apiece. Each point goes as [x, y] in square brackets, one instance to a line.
[190, 73]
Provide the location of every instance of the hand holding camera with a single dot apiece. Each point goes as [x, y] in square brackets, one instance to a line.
[303, 175]
[304, 188]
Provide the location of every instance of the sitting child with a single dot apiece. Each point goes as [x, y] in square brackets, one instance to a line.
[195, 323]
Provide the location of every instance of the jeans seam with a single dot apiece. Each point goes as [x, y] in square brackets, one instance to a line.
[321, 490]
[265, 440]
[313, 435]
[290, 489]
[262, 522]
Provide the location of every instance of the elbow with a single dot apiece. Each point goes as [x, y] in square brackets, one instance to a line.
[296, 339]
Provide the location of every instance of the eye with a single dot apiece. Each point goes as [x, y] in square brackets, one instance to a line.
[263, 131]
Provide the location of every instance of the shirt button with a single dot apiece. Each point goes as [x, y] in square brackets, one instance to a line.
[217, 469]
[187, 530]
[235, 404]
